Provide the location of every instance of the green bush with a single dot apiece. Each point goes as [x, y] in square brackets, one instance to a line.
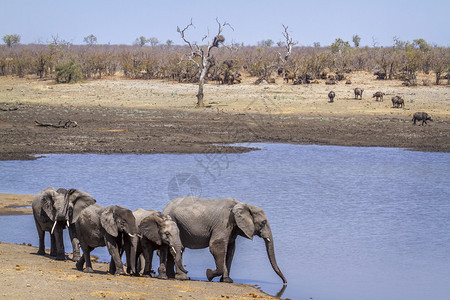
[68, 72]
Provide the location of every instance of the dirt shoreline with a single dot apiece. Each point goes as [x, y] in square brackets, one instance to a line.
[116, 115]
[25, 275]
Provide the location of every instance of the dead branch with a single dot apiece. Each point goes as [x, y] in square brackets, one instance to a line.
[8, 108]
[61, 124]
[289, 44]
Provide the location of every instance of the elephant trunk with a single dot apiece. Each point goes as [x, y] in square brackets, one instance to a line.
[176, 253]
[133, 250]
[271, 254]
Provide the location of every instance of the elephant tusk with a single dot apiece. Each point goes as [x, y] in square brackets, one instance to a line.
[131, 235]
[68, 225]
[268, 240]
[53, 228]
[173, 249]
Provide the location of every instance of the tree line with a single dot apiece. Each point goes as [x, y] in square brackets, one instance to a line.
[65, 62]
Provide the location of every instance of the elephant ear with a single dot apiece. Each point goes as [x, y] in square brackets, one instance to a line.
[78, 200]
[108, 222]
[48, 202]
[244, 219]
[149, 228]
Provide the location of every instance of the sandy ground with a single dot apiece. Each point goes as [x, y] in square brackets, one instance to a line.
[13, 204]
[116, 115]
[25, 275]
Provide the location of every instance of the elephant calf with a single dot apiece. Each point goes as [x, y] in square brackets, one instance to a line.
[110, 226]
[159, 232]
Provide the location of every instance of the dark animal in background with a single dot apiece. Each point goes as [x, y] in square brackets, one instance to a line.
[398, 102]
[358, 93]
[289, 76]
[378, 96]
[421, 116]
[331, 95]
[380, 75]
[330, 82]
[348, 82]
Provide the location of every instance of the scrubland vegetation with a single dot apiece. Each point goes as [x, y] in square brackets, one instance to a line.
[65, 62]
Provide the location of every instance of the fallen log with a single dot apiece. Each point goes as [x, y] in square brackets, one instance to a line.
[61, 124]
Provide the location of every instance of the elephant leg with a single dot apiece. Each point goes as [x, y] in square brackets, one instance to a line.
[163, 268]
[147, 250]
[75, 243]
[170, 266]
[218, 249]
[86, 258]
[230, 254]
[52, 245]
[60, 252]
[113, 250]
[41, 235]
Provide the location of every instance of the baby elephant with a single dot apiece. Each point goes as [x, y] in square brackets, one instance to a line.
[331, 95]
[421, 116]
[378, 96]
[113, 227]
[159, 232]
[358, 93]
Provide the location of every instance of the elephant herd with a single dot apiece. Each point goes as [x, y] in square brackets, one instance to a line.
[186, 222]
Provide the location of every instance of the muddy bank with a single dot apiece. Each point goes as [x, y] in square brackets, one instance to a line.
[130, 130]
[27, 275]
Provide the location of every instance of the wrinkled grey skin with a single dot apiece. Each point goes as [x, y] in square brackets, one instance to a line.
[358, 93]
[99, 226]
[421, 116]
[216, 223]
[331, 95]
[50, 212]
[159, 232]
[76, 200]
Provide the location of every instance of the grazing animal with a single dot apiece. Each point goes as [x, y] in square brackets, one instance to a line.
[358, 93]
[378, 96]
[330, 82]
[421, 116]
[331, 95]
[348, 82]
[288, 76]
[398, 102]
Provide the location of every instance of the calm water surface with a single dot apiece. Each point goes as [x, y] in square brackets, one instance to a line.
[348, 223]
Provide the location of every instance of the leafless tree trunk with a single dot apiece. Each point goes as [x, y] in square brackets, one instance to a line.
[204, 53]
[289, 44]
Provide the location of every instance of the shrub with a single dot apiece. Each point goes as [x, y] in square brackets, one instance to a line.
[67, 72]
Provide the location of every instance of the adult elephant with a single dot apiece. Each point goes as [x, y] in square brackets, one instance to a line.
[159, 232]
[110, 226]
[50, 214]
[76, 201]
[216, 223]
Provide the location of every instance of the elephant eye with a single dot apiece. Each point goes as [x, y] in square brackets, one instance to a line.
[263, 223]
[167, 233]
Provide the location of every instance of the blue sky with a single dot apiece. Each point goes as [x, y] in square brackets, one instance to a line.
[121, 22]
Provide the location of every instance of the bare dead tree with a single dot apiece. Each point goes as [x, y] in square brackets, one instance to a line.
[203, 53]
[288, 45]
